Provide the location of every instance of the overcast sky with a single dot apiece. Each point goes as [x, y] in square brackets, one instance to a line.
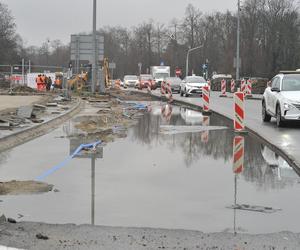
[58, 19]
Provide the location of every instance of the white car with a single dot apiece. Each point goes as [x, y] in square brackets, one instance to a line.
[130, 81]
[192, 85]
[282, 98]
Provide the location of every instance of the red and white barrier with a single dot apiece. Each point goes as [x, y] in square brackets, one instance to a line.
[169, 94]
[232, 86]
[205, 134]
[243, 86]
[249, 88]
[239, 112]
[163, 88]
[223, 88]
[238, 154]
[166, 112]
[206, 98]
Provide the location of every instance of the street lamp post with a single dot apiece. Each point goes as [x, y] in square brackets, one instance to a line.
[94, 64]
[187, 59]
[238, 43]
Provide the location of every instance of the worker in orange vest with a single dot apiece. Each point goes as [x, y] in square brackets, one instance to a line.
[39, 83]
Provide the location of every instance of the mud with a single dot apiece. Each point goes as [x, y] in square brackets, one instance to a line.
[130, 95]
[109, 116]
[24, 187]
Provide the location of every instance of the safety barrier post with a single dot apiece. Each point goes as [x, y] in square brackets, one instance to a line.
[239, 112]
[205, 134]
[232, 86]
[243, 86]
[238, 154]
[249, 89]
[169, 95]
[163, 88]
[223, 88]
[206, 100]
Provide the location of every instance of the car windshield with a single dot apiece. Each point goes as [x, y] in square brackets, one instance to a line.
[173, 80]
[195, 79]
[146, 77]
[291, 82]
[161, 75]
[130, 78]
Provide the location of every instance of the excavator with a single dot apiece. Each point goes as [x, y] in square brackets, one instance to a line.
[78, 82]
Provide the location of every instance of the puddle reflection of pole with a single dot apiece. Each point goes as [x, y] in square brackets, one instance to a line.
[93, 161]
[238, 167]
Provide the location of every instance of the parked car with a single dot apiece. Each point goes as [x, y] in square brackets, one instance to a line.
[192, 85]
[145, 81]
[282, 98]
[130, 80]
[174, 83]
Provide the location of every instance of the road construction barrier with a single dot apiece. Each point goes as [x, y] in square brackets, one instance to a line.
[163, 88]
[238, 154]
[223, 88]
[206, 98]
[239, 111]
[249, 88]
[166, 112]
[243, 86]
[205, 134]
[232, 86]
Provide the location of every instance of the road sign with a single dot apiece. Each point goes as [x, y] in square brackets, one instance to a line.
[204, 66]
[162, 63]
[82, 48]
[178, 72]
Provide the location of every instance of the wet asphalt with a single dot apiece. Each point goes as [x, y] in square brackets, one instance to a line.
[286, 139]
[150, 179]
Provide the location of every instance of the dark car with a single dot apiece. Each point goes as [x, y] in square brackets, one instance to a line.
[174, 83]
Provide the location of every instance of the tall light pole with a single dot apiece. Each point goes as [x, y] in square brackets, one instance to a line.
[238, 43]
[187, 59]
[94, 64]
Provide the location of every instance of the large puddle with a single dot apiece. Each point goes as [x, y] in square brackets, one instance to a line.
[154, 179]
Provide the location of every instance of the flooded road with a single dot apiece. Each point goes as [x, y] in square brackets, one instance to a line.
[152, 179]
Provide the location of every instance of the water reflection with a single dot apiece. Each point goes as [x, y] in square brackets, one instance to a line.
[262, 166]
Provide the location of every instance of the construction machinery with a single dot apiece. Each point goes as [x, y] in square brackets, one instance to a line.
[77, 82]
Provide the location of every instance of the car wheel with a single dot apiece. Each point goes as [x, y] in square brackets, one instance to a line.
[181, 93]
[265, 116]
[279, 121]
[185, 93]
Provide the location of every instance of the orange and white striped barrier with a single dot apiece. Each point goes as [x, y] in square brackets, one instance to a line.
[243, 86]
[163, 88]
[223, 88]
[206, 98]
[239, 112]
[169, 94]
[249, 88]
[238, 154]
[232, 86]
[205, 134]
[166, 112]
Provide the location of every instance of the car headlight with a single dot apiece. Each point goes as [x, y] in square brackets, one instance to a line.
[287, 106]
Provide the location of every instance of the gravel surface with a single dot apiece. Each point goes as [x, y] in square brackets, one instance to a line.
[27, 235]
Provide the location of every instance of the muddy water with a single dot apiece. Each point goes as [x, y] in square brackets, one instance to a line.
[149, 179]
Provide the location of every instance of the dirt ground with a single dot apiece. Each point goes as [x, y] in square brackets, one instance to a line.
[12, 102]
[23, 187]
[27, 235]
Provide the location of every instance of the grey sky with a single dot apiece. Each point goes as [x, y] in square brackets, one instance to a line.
[58, 19]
